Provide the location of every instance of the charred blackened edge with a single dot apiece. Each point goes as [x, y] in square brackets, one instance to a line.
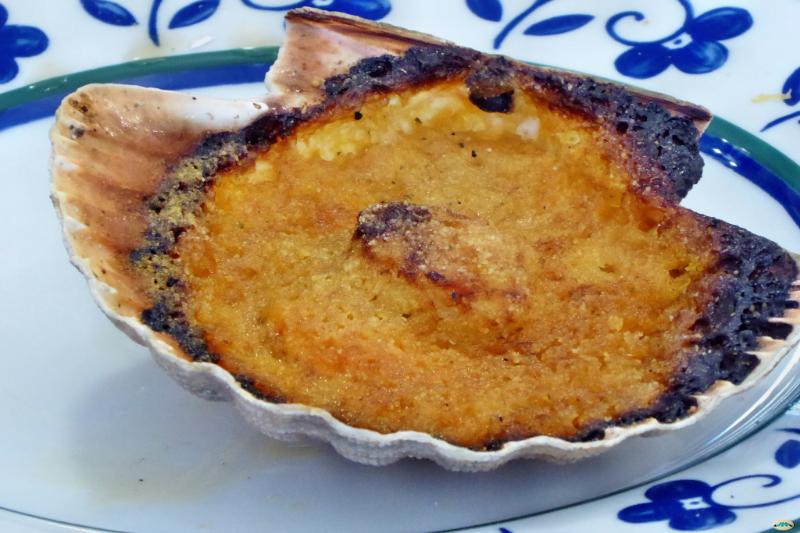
[418, 66]
[173, 209]
[756, 275]
[662, 147]
[754, 280]
[491, 86]
[247, 383]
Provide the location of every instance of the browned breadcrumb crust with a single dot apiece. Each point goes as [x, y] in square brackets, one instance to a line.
[754, 275]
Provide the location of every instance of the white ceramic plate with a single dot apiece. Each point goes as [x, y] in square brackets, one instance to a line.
[96, 435]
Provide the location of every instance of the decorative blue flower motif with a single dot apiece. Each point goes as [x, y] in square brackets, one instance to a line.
[17, 41]
[694, 48]
[686, 503]
[115, 14]
[368, 9]
[492, 10]
[791, 90]
[689, 504]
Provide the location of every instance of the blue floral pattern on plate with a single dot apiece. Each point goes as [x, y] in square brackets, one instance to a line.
[686, 503]
[689, 504]
[693, 48]
[791, 96]
[492, 10]
[17, 41]
[115, 14]
[368, 9]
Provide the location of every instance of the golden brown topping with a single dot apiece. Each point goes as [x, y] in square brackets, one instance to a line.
[523, 290]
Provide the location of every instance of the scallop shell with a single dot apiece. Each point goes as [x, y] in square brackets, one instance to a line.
[113, 143]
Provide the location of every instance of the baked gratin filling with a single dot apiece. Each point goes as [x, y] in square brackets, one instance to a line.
[468, 251]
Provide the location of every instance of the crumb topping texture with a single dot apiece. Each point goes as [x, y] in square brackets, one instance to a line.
[423, 263]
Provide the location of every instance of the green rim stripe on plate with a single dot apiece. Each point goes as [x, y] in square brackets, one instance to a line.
[132, 69]
[771, 158]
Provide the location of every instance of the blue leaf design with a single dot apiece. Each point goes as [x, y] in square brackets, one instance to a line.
[700, 57]
[193, 13]
[796, 431]
[556, 25]
[8, 69]
[368, 9]
[702, 519]
[284, 7]
[643, 512]
[792, 86]
[644, 61]
[781, 120]
[486, 9]
[788, 455]
[720, 24]
[109, 12]
[23, 41]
